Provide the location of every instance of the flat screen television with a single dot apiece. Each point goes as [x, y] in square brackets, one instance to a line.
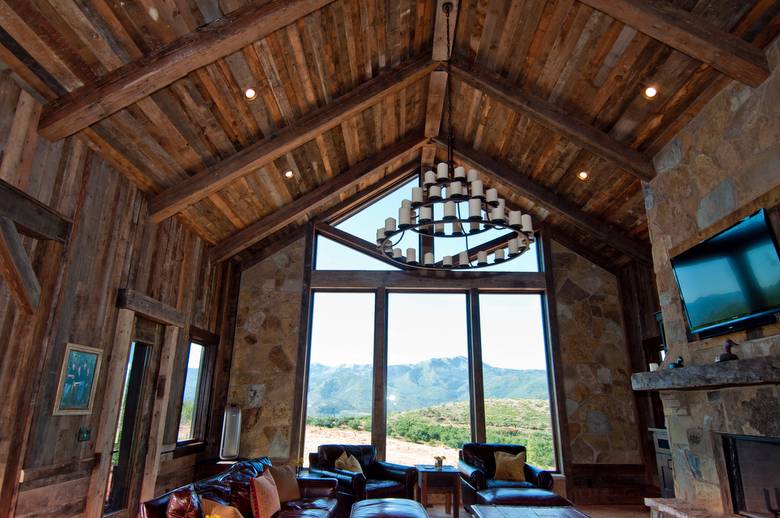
[731, 280]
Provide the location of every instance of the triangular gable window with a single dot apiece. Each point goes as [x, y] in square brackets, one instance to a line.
[335, 256]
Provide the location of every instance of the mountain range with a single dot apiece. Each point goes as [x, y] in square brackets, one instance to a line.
[345, 390]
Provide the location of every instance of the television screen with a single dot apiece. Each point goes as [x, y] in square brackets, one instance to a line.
[731, 276]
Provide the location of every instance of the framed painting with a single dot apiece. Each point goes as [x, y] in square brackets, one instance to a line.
[78, 380]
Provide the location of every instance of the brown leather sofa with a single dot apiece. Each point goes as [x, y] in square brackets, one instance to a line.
[378, 480]
[478, 486]
[231, 487]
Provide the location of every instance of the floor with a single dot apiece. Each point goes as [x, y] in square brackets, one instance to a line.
[594, 511]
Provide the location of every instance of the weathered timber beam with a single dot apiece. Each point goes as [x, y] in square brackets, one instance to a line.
[16, 268]
[246, 161]
[551, 117]
[150, 308]
[33, 218]
[438, 82]
[423, 279]
[354, 242]
[550, 200]
[314, 199]
[691, 35]
[122, 87]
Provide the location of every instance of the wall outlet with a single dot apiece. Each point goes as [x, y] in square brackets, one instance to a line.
[84, 433]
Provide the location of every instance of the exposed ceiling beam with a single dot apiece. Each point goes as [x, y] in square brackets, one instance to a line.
[17, 269]
[249, 159]
[437, 87]
[313, 199]
[550, 116]
[552, 201]
[691, 35]
[33, 218]
[122, 87]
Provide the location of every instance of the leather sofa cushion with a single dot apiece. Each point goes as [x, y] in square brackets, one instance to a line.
[322, 504]
[184, 503]
[494, 483]
[529, 497]
[384, 488]
[328, 453]
[482, 455]
[388, 508]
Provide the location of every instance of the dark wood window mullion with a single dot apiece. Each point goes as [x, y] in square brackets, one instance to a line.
[379, 407]
[476, 386]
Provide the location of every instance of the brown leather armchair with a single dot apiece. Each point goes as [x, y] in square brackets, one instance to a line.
[478, 467]
[231, 487]
[378, 480]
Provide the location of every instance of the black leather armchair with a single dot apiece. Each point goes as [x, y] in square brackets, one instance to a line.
[478, 467]
[378, 480]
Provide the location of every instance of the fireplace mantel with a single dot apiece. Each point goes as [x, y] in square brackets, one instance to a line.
[751, 371]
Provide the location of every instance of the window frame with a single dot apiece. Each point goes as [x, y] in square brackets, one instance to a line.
[200, 415]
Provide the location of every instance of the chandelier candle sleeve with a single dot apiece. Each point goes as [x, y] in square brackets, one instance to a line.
[460, 173]
[500, 254]
[447, 260]
[428, 259]
[475, 208]
[438, 229]
[390, 225]
[514, 218]
[457, 229]
[417, 195]
[502, 204]
[411, 255]
[425, 214]
[430, 178]
[449, 210]
[476, 189]
[380, 234]
[454, 189]
[474, 227]
[513, 246]
[463, 259]
[497, 214]
[397, 253]
[473, 176]
[442, 172]
[491, 195]
[527, 223]
[434, 193]
[482, 258]
[404, 216]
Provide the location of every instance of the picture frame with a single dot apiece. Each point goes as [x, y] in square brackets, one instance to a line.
[79, 374]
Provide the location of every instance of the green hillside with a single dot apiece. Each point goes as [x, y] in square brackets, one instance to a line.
[346, 390]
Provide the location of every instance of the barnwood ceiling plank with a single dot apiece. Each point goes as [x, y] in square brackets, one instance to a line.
[34, 218]
[313, 199]
[597, 228]
[550, 116]
[16, 268]
[122, 87]
[251, 158]
[691, 35]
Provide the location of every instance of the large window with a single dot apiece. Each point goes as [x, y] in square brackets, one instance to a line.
[427, 377]
[338, 403]
[195, 394]
[514, 374]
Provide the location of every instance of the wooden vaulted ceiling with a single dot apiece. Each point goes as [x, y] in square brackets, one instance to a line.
[350, 97]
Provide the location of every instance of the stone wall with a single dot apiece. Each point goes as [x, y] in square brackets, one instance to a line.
[722, 167]
[602, 419]
[262, 378]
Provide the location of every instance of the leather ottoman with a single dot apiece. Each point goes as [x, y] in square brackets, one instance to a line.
[388, 508]
[528, 497]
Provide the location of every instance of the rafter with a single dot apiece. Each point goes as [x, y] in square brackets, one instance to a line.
[251, 158]
[17, 269]
[34, 218]
[550, 200]
[691, 35]
[122, 87]
[314, 199]
[550, 116]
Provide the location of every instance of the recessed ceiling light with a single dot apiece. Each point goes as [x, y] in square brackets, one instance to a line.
[650, 92]
[288, 174]
[250, 94]
[583, 175]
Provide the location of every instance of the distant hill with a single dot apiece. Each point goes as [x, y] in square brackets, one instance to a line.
[346, 390]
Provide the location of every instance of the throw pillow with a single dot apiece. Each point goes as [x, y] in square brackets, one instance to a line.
[510, 467]
[184, 503]
[286, 483]
[265, 497]
[349, 463]
[214, 509]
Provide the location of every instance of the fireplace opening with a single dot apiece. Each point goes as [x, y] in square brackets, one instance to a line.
[753, 465]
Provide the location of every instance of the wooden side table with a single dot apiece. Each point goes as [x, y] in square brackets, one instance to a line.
[445, 480]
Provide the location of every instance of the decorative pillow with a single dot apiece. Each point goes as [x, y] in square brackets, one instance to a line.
[349, 463]
[184, 503]
[265, 497]
[214, 509]
[286, 483]
[510, 467]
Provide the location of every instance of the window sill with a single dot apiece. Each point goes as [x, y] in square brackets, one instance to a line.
[188, 448]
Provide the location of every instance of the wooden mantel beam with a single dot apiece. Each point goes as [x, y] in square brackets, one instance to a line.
[213, 179]
[122, 87]
[314, 199]
[550, 116]
[691, 35]
[550, 200]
